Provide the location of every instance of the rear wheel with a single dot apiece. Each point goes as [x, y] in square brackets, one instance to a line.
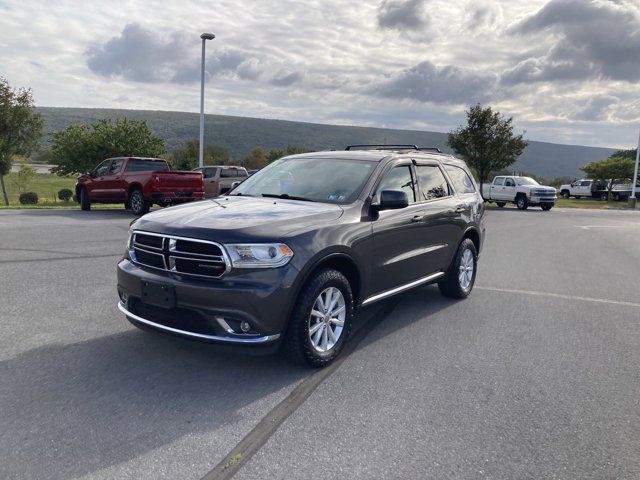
[85, 203]
[522, 203]
[461, 274]
[500, 204]
[565, 194]
[139, 205]
[321, 320]
[604, 197]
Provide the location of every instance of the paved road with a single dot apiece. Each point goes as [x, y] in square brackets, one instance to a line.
[534, 376]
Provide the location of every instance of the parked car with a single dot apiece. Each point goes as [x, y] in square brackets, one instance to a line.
[577, 189]
[523, 191]
[295, 250]
[138, 183]
[219, 179]
[598, 189]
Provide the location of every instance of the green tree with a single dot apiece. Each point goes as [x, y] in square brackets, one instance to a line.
[78, 148]
[22, 178]
[487, 142]
[186, 158]
[255, 159]
[616, 169]
[275, 154]
[20, 127]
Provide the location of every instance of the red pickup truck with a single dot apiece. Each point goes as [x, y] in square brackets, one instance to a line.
[138, 183]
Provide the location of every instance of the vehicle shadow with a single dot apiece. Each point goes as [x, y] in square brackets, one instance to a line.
[71, 410]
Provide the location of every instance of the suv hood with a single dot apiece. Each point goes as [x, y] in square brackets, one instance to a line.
[238, 219]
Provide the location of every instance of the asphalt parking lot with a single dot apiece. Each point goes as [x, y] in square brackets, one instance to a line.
[536, 375]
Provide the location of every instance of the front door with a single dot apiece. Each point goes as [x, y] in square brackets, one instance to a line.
[397, 235]
[97, 187]
[509, 191]
[113, 186]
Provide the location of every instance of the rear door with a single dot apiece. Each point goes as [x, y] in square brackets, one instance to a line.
[441, 213]
[497, 189]
[397, 234]
[509, 190]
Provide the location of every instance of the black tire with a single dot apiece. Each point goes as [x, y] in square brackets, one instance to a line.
[500, 204]
[297, 343]
[604, 197]
[451, 286]
[521, 202]
[127, 205]
[139, 205]
[546, 208]
[85, 203]
[565, 194]
[578, 197]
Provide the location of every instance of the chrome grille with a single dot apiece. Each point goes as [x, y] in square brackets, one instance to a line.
[184, 256]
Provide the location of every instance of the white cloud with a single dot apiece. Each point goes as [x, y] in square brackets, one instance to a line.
[566, 70]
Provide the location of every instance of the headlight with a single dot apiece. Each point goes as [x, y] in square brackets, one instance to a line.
[259, 255]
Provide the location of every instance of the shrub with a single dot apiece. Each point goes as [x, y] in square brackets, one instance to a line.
[28, 198]
[65, 194]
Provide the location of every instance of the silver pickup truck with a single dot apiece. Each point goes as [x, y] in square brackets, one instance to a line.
[523, 191]
[219, 179]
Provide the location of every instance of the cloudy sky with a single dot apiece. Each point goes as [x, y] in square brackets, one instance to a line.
[568, 71]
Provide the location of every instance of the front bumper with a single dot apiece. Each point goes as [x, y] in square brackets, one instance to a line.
[542, 200]
[210, 310]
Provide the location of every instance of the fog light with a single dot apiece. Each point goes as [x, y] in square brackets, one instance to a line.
[244, 326]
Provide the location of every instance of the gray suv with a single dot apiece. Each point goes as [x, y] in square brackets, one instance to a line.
[288, 256]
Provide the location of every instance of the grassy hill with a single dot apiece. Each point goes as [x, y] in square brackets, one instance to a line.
[240, 134]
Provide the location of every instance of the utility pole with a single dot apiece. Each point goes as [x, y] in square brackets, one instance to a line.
[204, 37]
[634, 180]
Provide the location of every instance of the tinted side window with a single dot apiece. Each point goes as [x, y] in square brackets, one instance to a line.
[399, 178]
[509, 182]
[585, 184]
[462, 183]
[499, 181]
[230, 173]
[242, 173]
[136, 165]
[103, 168]
[209, 172]
[432, 182]
[116, 166]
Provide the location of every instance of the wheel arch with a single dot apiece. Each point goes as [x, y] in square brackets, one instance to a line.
[134, 186]
[340, 261]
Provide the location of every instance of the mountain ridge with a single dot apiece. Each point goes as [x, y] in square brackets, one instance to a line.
[240, 134]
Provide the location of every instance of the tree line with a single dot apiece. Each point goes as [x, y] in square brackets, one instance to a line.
[486, 142]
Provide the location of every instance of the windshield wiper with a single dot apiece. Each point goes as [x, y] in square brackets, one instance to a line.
[286, 196]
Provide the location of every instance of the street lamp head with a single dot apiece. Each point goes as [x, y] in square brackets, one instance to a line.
[207, 36]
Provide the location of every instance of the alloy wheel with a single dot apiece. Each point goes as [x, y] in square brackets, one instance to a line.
[326, 320]
[465, 274]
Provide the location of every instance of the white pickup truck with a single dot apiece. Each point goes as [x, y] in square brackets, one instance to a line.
[588, 188]
[523, 191]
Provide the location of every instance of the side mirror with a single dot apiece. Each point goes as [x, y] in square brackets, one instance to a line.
[393, 200]
[92, 174]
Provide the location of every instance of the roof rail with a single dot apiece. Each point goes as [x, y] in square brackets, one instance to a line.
[382, 147]
[394, 147]
[429, 149]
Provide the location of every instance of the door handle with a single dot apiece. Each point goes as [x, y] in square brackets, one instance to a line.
[460, 208]
[417, 218]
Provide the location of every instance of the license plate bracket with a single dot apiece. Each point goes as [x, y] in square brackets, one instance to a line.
[158, 294]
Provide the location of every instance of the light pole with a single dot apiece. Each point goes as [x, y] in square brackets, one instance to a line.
[204, 37]
[634, 180]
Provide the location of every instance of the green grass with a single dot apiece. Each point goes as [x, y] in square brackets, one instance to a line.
[46, 185]
[587, 203]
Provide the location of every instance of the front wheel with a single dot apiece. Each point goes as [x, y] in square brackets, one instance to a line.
[461, 274]
[321, 320]
[500, 204]
[138, 204]
[522, 203]
[546, 208]
[85, 203]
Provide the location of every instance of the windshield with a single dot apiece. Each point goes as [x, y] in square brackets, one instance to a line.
[526, 181]
[328, 180]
